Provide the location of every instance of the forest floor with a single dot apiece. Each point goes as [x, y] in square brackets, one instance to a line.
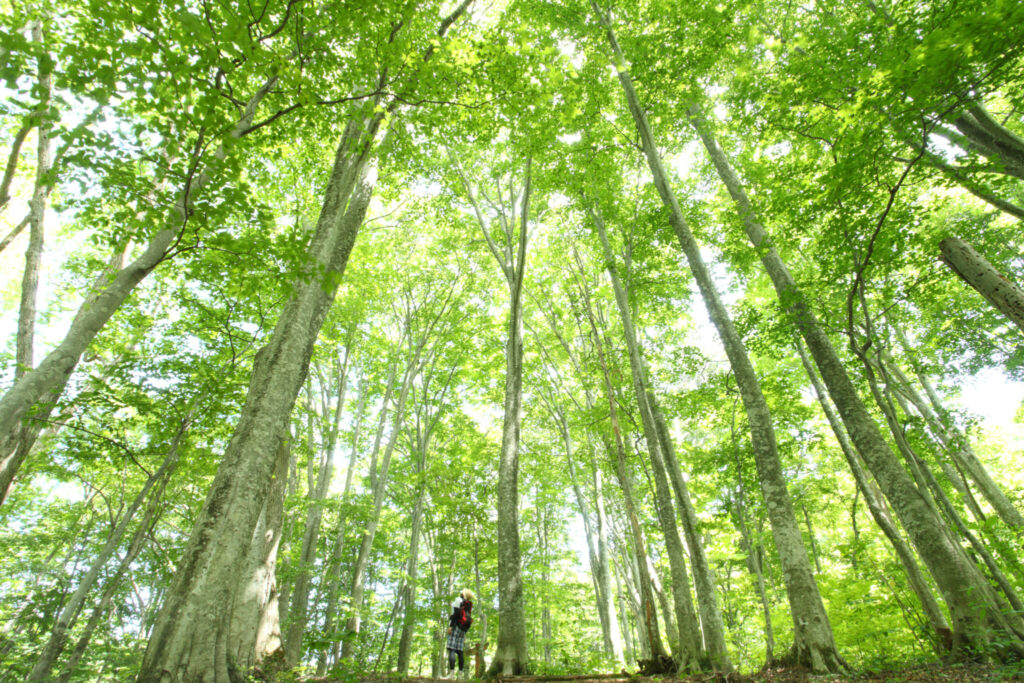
[966, 673]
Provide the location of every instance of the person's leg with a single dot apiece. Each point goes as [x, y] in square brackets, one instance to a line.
[462, 663]
[451, 659]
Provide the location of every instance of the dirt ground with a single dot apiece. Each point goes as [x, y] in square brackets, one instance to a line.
[968, 673]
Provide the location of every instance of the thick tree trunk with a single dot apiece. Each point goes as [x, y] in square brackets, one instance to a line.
[976, 271]
[814, 645]
[255, 621]
[972, 602]
[189, 640]
[510, 657]
[943, 636]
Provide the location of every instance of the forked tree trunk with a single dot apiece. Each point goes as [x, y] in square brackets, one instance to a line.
[814, 645]
[510, 657]
[190, 637]
[976, 619]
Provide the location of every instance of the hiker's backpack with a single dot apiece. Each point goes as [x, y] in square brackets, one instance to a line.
[464, 619]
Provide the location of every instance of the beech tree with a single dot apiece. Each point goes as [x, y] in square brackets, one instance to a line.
[662, 326]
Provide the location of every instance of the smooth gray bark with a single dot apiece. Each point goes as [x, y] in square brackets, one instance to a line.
[710, 615]
[1007, 297]
[510, 657]
[750, 546]
[972, 602]
[255, 631]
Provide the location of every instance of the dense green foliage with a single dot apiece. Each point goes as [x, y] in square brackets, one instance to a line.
[865, 133]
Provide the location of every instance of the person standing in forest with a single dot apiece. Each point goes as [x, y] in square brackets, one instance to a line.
[458, 624]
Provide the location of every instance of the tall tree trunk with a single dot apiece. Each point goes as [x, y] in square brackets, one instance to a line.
[186, 643]
[710, 615]
[412, 571]
[814, 645]
[688, 648]
[150, 494]
[41, 387]
[428, 412]
[37, 213]
[332, 576]
[750, 546]
[943, 636]
[380, 481]
[972, 602]
[659, 660]
[510, 657]
[297, 611]
[604, 564]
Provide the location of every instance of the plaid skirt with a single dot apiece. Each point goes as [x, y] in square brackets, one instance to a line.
[457, 640]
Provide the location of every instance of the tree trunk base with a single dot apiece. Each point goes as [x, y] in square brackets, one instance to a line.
[661, 664]
[817, 661]
[506, 667]
[269, 668]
